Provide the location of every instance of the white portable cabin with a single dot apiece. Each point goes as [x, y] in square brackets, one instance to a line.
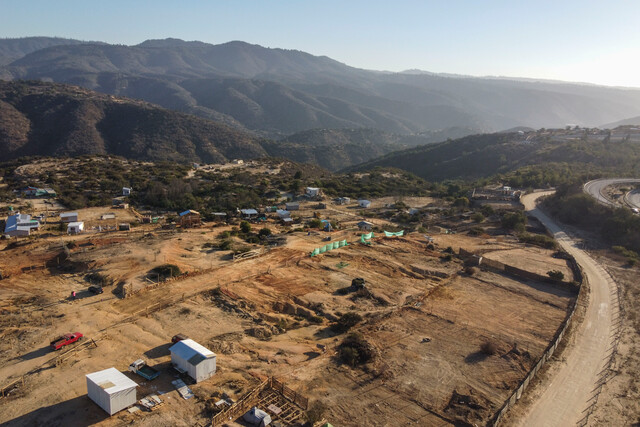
[75, 227]
[111, 390]
[364, 203]
[69, 216]
[198, 361]
[312, 191]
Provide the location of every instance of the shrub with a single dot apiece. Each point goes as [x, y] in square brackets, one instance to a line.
[477, 217]
[245, 227]
[265, 232]
[556, 275]
[166, 270]
[347, 321]
[470, 270]
[355, 350]
[225, 245]
[489, 348]
[315, 223]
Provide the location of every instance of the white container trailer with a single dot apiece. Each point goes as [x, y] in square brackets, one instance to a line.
[198, 361]
[111, 390]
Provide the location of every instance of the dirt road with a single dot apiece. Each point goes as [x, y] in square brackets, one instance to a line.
[564, 400]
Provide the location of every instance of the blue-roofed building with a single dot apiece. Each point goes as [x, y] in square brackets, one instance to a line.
[190, 218]
[249, 213]
[20, 225]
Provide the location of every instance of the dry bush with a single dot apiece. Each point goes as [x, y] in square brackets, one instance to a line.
[489, 348]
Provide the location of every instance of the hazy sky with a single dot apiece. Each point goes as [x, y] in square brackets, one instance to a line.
[575, 40]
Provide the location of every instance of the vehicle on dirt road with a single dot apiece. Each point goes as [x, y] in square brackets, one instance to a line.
[95, 289]
[65, 340]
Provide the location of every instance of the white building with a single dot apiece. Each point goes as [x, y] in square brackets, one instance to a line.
[364, 203]
[75, 227]
[312, 191]
[198, 361]
[126, 191]
[292, 206]
[20, 225]
[111, 390]
[283, 213]
[69, 216]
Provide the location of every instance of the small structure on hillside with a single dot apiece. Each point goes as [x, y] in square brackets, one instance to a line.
[219, 216]
[237, 161]
[125, 226]
[190, 357]
[365, 225]
[257, 417]
[75, 227]
[111, 390]
[292, 206]
[312, 191]
[126, 191]
[249, 213]
[190, 218]
[20, 225]
[282, 214]
[69, 216]
[364, 203]
[343, 200]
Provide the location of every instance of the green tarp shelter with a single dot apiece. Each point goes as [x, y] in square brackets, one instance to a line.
[391, 234]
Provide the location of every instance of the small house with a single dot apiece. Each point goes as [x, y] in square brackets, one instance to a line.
[124, 227]
[365, 225]
[219, 216]
[292, 206]
[312, 191]
[343, 200]
[20, 225]
[189, 218]
[282, 214]
[111, 390]
[69, 216]
[75, 227]
[287, 221]
[364, 203]
[237, 161]
[126, 191]
[190, 357]
[257, 417]
[249, 213]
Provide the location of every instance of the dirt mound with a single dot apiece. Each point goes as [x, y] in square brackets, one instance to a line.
[468, 409]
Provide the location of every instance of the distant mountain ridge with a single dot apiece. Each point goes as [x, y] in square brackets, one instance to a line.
[44, 119]
[277, 92]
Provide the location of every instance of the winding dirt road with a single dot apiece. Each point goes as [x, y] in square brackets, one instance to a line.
[565, 398]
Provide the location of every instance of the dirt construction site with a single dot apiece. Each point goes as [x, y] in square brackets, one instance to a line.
[427, 319]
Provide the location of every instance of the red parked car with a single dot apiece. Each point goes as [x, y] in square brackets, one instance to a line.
[66, 339]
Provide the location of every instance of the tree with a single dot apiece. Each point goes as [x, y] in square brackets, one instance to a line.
[264, 232]
[245, 227]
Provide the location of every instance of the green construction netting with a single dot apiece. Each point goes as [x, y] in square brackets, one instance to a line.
[330, 246]
[365, 237]
[391, 234]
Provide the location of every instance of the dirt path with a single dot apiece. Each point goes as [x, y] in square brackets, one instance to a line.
[565, 399]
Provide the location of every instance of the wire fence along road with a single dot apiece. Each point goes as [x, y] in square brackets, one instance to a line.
[596, 188]
[568, 397]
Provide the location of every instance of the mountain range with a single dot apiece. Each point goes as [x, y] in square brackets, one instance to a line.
[276, 92]
[51, 119]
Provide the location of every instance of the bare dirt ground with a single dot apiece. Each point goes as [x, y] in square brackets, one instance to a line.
[271, 315]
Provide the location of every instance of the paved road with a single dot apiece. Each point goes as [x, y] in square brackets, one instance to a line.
[633, 198]
[564, 398]
[596, 188]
